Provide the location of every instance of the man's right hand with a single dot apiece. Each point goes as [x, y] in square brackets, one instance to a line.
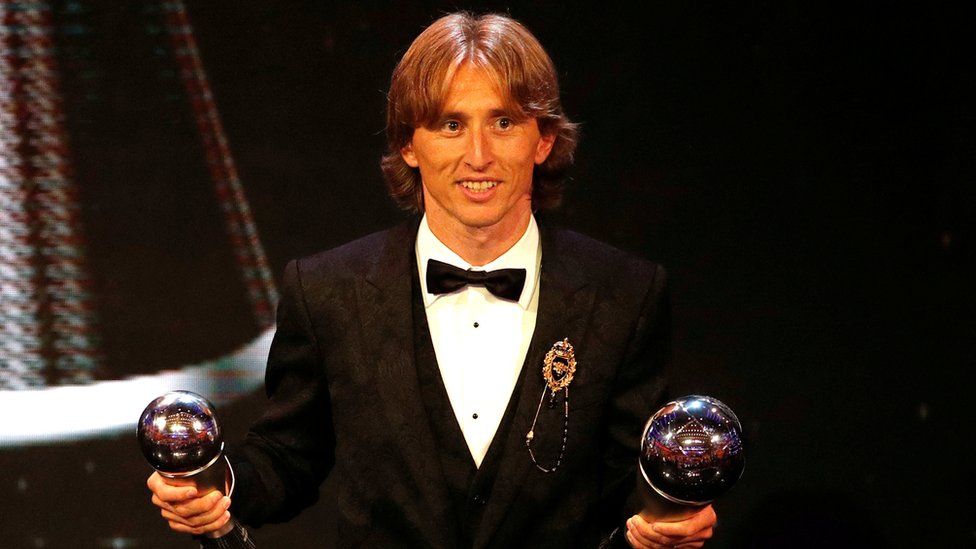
[186, 511]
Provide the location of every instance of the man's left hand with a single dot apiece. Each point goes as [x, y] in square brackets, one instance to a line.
[690, 532]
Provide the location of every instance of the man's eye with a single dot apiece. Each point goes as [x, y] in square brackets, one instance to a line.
[505, 123]
[452, 126]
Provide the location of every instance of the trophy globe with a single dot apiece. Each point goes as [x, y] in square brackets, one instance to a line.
[691, 453]
[181, 438]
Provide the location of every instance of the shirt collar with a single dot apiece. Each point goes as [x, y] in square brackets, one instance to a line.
[524, 254]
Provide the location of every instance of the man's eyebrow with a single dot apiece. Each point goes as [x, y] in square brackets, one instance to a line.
[493, 113]
[512, 111]
[453, 115]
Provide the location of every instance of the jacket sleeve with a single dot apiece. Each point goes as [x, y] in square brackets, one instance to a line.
[237, 538]
[640, 388]
[290, 450]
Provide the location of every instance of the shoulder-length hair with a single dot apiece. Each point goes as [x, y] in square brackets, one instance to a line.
[513, 58]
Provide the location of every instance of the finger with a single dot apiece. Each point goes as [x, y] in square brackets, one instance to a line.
[197, 506]
[643, 533]
[189, 507]
[202, 519]
[691, 545]
[697, 540]
[637, 544]
[174, 495]
[634, 542]
[199, 530]
[171, 490]
[193, 506]
[698, 537]
[703, 519]
[161, 504]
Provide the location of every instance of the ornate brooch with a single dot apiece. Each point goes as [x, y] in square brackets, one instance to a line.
[560, 365]
[558, 369]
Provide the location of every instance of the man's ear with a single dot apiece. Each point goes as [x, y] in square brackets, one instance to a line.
[408, 155]
[544, 147]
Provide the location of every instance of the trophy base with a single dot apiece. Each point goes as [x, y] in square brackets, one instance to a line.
[657, 509]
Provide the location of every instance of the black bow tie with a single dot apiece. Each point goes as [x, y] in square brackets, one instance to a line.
[444, 278]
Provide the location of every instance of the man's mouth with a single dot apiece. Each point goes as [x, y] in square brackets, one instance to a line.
[479, 186]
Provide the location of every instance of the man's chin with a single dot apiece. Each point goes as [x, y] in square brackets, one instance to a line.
[481, 217]
[479, 222]
[484, 220]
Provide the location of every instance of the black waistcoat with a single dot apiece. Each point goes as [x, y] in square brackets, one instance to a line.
[468, 486]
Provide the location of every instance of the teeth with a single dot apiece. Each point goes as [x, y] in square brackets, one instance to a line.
[478, 186]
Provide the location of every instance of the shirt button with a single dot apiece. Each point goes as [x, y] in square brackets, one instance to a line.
[474, 415]
[476, 324]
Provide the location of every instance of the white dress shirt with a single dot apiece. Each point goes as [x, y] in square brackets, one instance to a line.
[480, 340]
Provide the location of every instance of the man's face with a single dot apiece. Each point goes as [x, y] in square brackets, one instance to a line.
[476, 162]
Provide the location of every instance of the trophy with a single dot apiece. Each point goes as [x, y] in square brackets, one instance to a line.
[691, 453]
[181, 438]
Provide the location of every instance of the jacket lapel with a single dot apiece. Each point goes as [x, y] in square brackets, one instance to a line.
[385, 302]
[565, 301]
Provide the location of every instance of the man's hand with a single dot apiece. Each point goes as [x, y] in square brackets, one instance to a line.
[185, 511]
[690, 532]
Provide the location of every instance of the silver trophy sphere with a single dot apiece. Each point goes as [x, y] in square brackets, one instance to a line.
[181, 438]
[691, 453]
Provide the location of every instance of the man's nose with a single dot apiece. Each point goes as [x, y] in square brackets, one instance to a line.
[478, 154]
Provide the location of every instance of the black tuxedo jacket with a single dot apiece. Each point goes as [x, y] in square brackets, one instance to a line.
[344, 400]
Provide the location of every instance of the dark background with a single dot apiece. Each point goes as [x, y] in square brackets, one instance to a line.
[805, 172]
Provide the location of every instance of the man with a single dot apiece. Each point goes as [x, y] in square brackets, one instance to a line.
[408, 363]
